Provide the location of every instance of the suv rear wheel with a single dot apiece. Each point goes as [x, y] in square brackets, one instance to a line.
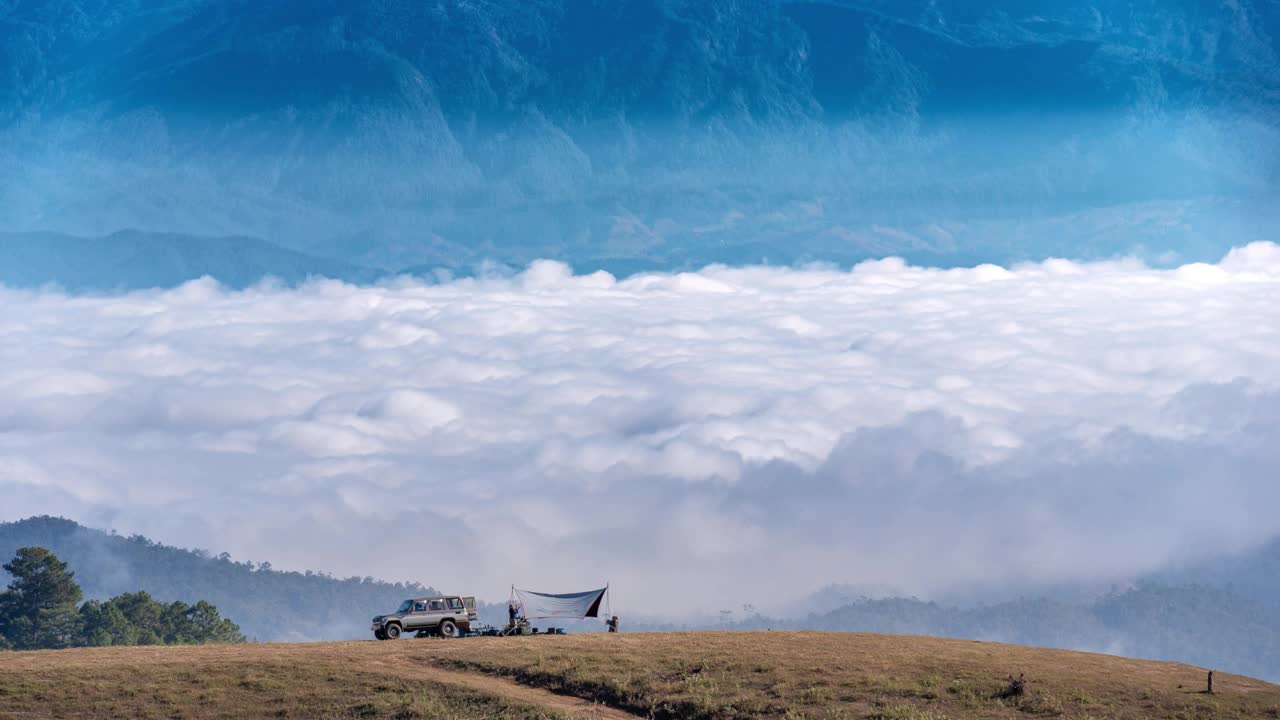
[448, 629]
[392, 631]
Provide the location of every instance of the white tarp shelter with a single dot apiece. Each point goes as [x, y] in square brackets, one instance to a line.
[566, 606]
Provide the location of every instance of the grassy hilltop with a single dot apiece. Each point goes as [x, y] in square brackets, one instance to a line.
[685, 675]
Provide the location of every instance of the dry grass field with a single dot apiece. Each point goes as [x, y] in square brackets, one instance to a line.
[682, 675]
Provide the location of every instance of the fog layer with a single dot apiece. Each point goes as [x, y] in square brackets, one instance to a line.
[748, 433]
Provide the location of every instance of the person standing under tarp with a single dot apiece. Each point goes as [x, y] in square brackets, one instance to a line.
[511, 614]
[612, 623]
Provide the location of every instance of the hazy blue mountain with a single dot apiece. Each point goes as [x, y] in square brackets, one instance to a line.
[647, 133]
[131, 260]
[1224, 615]
[267, 604]
[1201, 625]
[1221, 613]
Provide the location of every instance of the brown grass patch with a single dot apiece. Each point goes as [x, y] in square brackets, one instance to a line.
[251, 683]
[708, 676]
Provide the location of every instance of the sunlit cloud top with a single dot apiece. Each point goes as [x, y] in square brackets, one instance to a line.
[888, 426]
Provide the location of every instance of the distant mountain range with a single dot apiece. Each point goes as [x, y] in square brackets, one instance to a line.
[635, 134]
[1222, 614]
[1199, 624]
[134, 260]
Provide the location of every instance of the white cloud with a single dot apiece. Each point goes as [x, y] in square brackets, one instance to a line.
[750, 433]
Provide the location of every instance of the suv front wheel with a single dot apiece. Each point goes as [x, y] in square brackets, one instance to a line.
[448, 629]
[392, 631]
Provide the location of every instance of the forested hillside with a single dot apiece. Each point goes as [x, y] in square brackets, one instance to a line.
[41, 609]
[268, 604]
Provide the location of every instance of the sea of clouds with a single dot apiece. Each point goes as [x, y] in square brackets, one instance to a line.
[700, 440]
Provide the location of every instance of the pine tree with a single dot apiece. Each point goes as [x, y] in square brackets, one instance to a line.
[104, 624]
[144, 614]
[39, 608]
[209, 626]
[176, 624]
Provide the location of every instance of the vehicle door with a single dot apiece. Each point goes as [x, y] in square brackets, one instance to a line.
[457, 610]
[470, 604]
[436, 611]
[417, 617]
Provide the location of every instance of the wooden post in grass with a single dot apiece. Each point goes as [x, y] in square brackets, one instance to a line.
[1210, 691]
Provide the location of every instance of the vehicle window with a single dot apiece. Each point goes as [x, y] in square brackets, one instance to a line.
[404, 606]
[455, 604]
[419, 606]
[437, 605]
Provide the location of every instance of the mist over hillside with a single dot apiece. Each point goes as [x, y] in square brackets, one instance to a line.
[267, 604]
[641, 134]
[1206, 625]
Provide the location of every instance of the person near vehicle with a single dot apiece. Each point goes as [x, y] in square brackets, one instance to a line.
[511, 614]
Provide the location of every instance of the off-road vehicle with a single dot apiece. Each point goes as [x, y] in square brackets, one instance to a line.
[444, 616]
